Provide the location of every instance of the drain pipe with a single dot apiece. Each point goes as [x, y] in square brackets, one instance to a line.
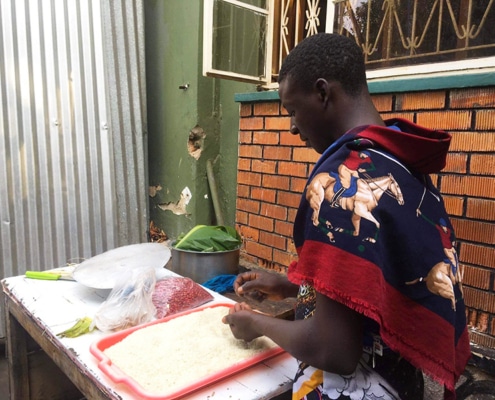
[214, 192]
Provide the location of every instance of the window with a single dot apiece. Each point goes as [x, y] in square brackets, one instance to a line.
[398, 37]
[237, 39]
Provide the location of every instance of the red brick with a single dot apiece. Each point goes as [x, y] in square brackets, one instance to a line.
[277, 153]
[474, 231]
[473, 98]
[244, 164]
[258, 250]
[456, 162]
[245, 256]
[272, 108]
[297, 185]
[480, 299]
[243, 190]
[382, 102]
[277, 123]
[445, 120]
[246, 137]
[288, 139]
[274, 211]
[260, 222]
[289, 199]
[263, 166]
[410, 116]
[248, 232]
[276, 182]
[478, 255]
[473, 141]
[305, 154]
[250, 206]
[481, 209]
[474, 186]
[264, 137]
[246, 110]
[454, 205]
[420, 101]
[477, 277]
[482, 164]
[272, 240]
[250, 124]
[249, 178]
[291, 248]
[264, 194]
[241, 217]
[292, 215]
[284, 228]
[250, 151]
[293, 169]
[485, 119]
[283, 258]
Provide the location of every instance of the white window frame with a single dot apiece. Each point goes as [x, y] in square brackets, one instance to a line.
[208, 69]
[431, 70]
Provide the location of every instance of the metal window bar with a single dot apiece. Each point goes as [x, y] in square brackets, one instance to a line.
[293, 21]
[392, 32]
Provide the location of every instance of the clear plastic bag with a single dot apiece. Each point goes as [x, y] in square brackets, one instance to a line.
[130, 301]
[176, 294]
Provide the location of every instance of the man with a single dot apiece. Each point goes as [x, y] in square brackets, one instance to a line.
[349, 171]
[360, 330]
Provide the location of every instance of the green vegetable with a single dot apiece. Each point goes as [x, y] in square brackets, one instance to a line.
[81, 327]
[206, 238]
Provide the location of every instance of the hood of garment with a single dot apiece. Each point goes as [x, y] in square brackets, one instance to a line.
[419, 148]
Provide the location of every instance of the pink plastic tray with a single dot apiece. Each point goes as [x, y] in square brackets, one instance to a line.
[116, 375]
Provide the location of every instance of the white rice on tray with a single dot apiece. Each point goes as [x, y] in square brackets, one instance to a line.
[166, 357]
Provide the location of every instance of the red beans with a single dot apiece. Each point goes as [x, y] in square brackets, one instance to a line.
[176, 294]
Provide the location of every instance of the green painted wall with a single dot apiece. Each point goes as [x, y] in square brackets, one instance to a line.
[173, 30]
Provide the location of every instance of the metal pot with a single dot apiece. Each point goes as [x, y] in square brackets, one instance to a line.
[203, 266]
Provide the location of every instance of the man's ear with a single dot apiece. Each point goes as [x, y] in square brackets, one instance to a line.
[323, 89]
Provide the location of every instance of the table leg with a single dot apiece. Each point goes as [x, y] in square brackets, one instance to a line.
[17, 357]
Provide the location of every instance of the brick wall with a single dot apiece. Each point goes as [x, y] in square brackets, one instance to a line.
[273, 166]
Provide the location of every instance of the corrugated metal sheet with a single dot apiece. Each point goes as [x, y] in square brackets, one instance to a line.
[73, 131]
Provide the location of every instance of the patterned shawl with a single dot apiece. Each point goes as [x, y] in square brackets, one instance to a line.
[385, 247]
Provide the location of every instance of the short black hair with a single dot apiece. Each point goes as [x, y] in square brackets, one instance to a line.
[326, 55]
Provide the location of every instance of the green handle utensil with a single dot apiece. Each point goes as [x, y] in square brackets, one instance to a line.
[49, 275]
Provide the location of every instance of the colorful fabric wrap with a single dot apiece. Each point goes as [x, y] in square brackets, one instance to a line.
[387, 251]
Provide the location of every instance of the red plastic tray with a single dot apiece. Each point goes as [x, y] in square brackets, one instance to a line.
[116, 375]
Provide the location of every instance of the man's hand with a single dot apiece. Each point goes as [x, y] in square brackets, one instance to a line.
[261, 285]
[239, 319]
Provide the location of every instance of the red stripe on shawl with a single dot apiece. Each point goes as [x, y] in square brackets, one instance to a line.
[405, 325]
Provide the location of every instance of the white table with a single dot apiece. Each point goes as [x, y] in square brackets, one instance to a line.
[36, 310]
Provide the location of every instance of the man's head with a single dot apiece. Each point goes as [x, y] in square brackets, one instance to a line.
[325, 55]
[322, 85]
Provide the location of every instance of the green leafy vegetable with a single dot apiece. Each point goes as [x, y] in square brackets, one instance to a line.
[81, 327]
[206, 238]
